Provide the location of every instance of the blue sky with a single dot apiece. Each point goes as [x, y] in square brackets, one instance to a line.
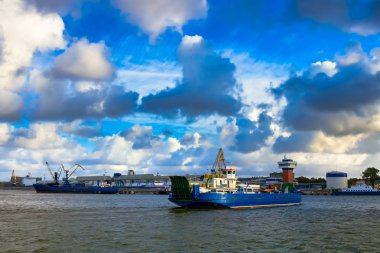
[159, 86]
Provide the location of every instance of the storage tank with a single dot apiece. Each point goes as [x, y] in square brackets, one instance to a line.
[336, 180]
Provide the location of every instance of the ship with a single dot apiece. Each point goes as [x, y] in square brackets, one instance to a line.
[68, 186]
[220, 189]
[361, 189]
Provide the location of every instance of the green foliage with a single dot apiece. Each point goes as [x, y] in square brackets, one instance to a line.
[289, 186]
[371, 174]
[352, 182]
[305, 180]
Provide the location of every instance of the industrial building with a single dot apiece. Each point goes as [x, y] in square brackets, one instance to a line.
[336, 180]
[95, 180]
[141, 180]
[131, 180]
[28, 180]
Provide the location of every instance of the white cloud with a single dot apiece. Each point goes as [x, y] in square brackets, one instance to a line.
[10, 104]
[256, 77]
[42, 136]
[354, 54]
[154, 17]
[327, 67]
[228, 132]
[188, 40]
[151, 77]
[5, 133]
[84, 60]
[24, 31]
[173, 144]
[323, 143]
[119, 151]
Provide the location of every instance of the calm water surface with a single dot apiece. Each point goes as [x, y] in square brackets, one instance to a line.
[31, 222]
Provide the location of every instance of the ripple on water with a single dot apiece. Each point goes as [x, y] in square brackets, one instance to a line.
[31, 222]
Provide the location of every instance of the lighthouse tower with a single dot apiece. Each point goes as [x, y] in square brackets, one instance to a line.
[287, 165]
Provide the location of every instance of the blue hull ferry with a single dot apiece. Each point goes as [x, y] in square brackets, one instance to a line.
[220, 190]
[184, 195]
[359, 190]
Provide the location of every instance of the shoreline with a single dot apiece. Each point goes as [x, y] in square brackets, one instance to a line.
[23, 188]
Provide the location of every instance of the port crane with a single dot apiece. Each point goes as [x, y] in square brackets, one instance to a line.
[55, 175]
[219, 163]
[70, 171]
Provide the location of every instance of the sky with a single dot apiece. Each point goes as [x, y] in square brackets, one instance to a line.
[159, 86]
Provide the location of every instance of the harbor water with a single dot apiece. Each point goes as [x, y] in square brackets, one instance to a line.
[31, 222]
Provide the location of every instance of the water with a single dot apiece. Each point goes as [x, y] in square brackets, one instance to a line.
[31, 222]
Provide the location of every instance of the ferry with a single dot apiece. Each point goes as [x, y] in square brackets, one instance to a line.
[360, 189]
[220, 189]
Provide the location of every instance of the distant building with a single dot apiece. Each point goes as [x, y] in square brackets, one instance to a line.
[95, 180]
[336, 180]
[287, 166]
[23, 181]
[29, 181]
[253, 180]
[275, 175]
[142, 180]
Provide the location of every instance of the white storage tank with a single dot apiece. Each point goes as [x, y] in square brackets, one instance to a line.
[336, 180]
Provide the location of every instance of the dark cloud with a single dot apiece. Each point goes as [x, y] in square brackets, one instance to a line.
[297, 142]
[81, 130]
[198, 155]
[141, 136]
[251, 135]
[59, 100]
[62, 7]
[188, 139]
[368, 145]
[206, 88]
[362, 17]
[338, 105]
[119, 102]
[11, 105]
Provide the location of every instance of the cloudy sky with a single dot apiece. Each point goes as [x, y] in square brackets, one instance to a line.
[159, 86]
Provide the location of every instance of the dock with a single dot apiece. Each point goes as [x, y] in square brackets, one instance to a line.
[144, 190]
[316, 192]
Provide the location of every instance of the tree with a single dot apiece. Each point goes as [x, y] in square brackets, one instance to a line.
[303, 180]
[371, 174]
[352, 182]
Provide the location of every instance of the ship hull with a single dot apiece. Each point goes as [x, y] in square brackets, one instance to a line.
[239, 200]
[41, 188]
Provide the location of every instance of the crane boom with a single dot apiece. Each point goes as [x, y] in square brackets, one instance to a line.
[60, 170]
[50, 171]
[219, 162]
[76, 166]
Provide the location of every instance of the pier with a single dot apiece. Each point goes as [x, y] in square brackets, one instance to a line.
[144, 190]
[316, 192]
